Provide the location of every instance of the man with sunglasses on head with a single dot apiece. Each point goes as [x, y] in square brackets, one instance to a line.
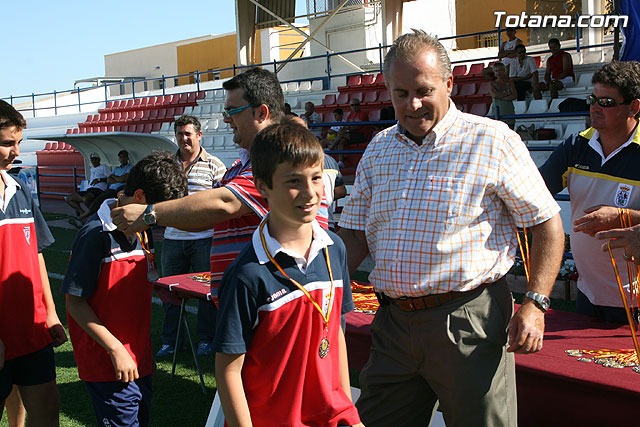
[523, 71]
[599, 167]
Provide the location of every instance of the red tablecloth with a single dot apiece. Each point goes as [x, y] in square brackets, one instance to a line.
[553, 388]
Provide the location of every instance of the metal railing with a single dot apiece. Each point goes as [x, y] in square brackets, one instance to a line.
[196, 76]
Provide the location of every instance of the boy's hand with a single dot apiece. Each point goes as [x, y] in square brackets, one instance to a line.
[126, 368]
[58, 335]
[56, 330]
[1, 355]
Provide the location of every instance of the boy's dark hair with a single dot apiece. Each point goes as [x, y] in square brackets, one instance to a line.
[186, 119]
[9, 116]
[338, 111]
[159, 175]
[622, 75]
[286, 142]
[260, 87]
[123, 152]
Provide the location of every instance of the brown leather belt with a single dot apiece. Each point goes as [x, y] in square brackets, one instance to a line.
[427, 301]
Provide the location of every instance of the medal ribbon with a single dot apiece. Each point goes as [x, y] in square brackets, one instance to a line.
[524, 253]
[146, 247]
[306, 293]
[625, 221]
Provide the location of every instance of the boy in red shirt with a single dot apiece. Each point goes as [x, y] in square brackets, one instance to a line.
[281, 353]
[109, 297]
[29, 325]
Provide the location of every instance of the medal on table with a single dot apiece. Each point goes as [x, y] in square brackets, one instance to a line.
[146, 242]
[323, 348]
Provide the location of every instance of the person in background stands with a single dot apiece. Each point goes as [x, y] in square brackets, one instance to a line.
[115, 181]
[287, 110]
[507, 53]
[310, 116]
[184, 251]
[523, 72]
[559, 74]
[436, 201]
[503, 93]
[97, 184]
[351, 134]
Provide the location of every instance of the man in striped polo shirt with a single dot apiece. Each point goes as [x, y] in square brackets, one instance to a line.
[184, 251]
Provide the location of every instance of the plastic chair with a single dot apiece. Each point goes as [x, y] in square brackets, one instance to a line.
[538, 106]
[329, 99]
[459, 70]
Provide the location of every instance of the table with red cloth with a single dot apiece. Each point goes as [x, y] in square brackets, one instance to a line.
[554, 389]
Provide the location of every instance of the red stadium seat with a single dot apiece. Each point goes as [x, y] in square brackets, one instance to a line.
[155, 127]
[379, 80]
[367, 79]
[459, 70]
[329, 99]
[356, 95]
[374, 115]
[467, 89]
[370, 97]
[343, 98]
[139, 128]
[383, 97]
[153, 114]
[475, 69]
[201, 95]
[147, 128]
[479, 109]
[455, 89]
[178, 111]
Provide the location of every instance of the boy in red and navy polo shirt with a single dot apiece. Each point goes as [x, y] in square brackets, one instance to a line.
[109, 298]
[281, 354]
[29, 325]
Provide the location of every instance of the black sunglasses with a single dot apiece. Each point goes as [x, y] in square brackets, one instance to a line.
[604, 101]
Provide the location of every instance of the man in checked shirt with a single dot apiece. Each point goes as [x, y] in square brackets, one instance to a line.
[436, 201]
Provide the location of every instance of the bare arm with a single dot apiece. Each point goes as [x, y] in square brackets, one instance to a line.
[123, 364]
[357, 248]
[512, 93]
[566, 65]
[56, 330]
[196, 212]
[231, 390]
[339, 192]
[526, 329]
[345, 382]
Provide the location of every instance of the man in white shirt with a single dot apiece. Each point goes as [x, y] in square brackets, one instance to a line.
[97, 184]
[523, 71]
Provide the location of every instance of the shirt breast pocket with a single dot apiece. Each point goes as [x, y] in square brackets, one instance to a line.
[444, 200]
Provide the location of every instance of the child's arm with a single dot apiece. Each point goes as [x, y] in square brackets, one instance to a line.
[124, 365]
[345, 382]
[229, 384]
[56, 330]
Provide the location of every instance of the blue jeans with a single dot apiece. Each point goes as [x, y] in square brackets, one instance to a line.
[180, 257]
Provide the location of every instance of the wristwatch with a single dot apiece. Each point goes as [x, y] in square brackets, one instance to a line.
[541, 301]
[149, 216]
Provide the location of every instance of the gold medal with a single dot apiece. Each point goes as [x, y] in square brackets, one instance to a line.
[324, 348]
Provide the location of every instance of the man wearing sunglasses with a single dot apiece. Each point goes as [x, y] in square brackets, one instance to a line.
[600, 168]
[254, 101]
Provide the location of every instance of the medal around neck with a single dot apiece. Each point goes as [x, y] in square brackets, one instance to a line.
[324, 348]
[153, 275]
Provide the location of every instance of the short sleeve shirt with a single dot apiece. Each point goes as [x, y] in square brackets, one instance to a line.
[442, 216]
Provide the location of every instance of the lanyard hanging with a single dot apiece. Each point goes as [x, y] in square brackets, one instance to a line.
[147, 245]
[324, 343]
